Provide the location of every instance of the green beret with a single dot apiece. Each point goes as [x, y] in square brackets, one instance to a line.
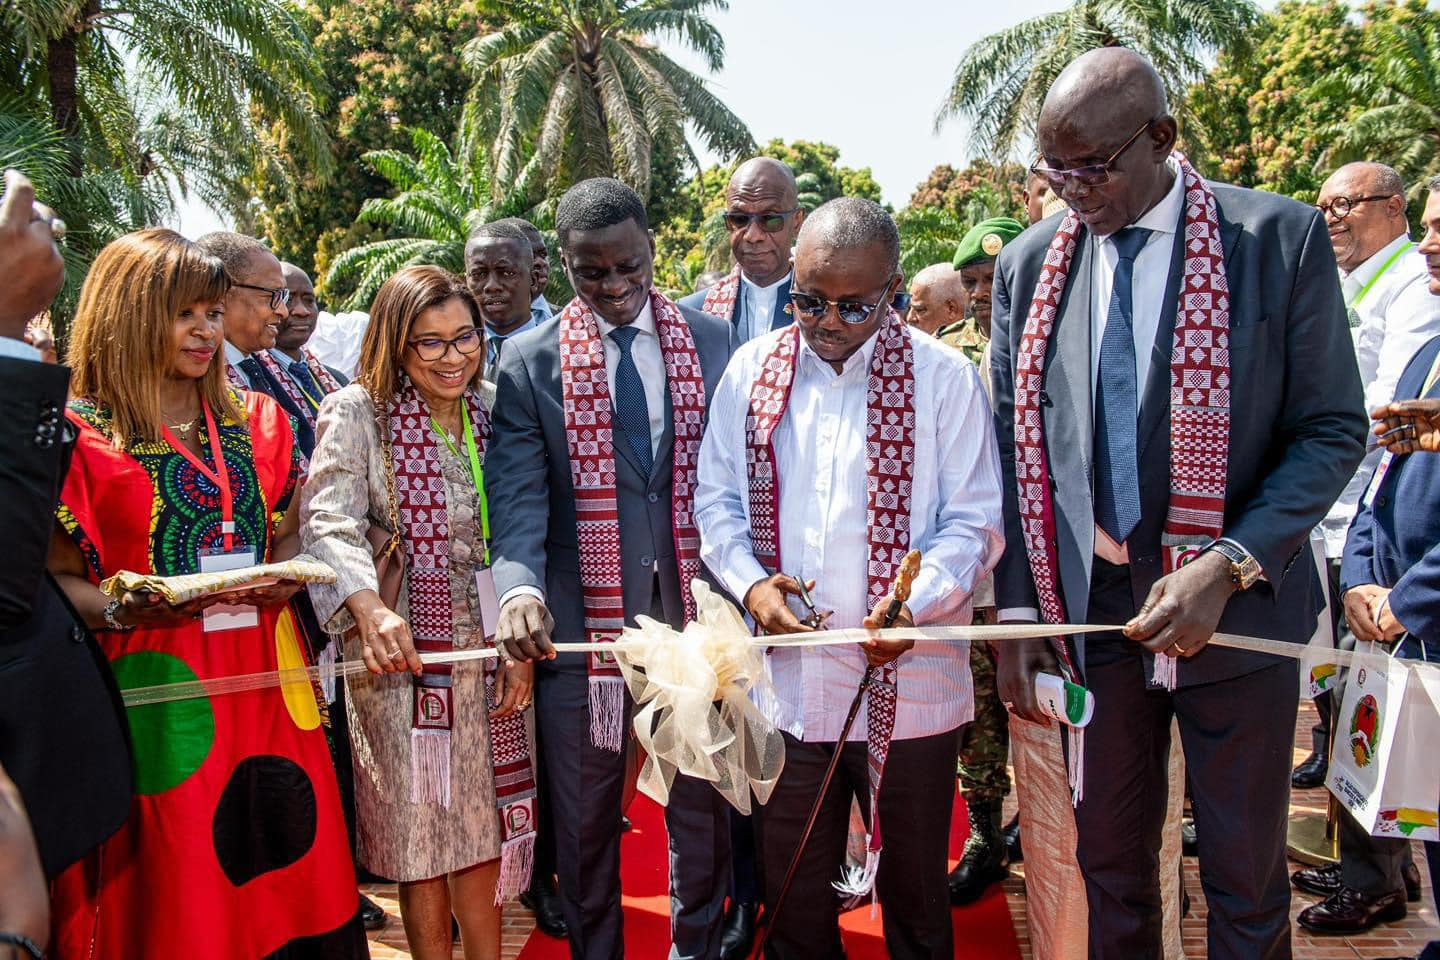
[985, 240]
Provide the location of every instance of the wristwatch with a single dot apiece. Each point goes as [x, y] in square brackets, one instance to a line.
[112, 621]
[1244, 569]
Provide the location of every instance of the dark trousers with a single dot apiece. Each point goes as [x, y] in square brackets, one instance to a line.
[1237, 735]
[916, 799]
[744, 863]
[586, 784]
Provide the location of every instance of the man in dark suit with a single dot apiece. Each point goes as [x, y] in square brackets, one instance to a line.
[1091, 370]
[255, 308]
[62, 734]
[539, 556]
[763, 215]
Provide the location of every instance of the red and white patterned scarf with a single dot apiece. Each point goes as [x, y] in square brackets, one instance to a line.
[1199, 404]
[309, 406]
[585, 388]
[889, 472]
[424, 518]
[720, 299]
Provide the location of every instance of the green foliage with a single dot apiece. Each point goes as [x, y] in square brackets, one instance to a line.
[569, 89]
[392, 65]
[1001, 80]
[441, 198]
[949, 202]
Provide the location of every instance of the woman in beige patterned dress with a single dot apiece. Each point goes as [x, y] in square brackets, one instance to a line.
[406, 473]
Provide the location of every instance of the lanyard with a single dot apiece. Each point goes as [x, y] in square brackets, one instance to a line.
[477, 472]
[219, 476]
[1405, 248]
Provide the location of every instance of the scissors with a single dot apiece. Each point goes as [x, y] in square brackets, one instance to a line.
[815, 619]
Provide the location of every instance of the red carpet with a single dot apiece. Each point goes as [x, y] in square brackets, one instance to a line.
[982, 931]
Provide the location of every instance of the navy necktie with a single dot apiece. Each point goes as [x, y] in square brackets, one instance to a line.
[256, 374]
[1117, 482]
[309, 389]
[631, 411]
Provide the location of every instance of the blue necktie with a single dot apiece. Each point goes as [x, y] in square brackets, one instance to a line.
[492, 351]
[1117, 482]
[256, 374]
[309, 389]
[631, 411]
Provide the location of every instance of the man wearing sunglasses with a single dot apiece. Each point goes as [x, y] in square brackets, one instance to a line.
[255, 308]
[763, 216]
[1175, 519]
[1392, 314]
[827, 488]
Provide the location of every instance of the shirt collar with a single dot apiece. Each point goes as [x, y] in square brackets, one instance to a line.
[282, 358]
[541, 304]
[1366, 272]
[860, 358]
[751, 284]
[233, 356]
[1164, 217]
[644, 323]
[530, 324]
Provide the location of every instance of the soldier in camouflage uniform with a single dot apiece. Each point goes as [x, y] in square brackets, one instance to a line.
[984, 745]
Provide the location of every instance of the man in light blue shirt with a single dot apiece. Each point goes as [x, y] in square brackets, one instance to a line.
[499, 270]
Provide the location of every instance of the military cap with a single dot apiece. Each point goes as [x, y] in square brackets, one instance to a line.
[985, 240]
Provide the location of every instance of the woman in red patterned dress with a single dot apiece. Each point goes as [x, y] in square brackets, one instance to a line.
[235, 846]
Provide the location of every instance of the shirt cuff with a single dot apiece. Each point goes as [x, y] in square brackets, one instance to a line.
[524, 590]
[1021, 614]
[18, 349]
[745, 574]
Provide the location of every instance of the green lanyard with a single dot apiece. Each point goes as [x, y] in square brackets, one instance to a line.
[477, 473]
[1405, 248]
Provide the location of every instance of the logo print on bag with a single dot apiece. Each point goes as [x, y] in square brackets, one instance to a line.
[1365, 730]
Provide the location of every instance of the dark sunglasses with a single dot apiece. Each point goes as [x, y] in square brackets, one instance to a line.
[279, 296]
[853, 312]
[433, 348]
[769, 222]
[1091, 175]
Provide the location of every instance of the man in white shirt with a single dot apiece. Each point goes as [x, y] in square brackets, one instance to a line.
[1392, 314]
[763, 216]
[833, 523]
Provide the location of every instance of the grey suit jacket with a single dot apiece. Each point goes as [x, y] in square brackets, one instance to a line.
[532, 499]
[1297, 420]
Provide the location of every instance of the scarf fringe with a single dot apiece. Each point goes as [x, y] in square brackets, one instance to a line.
[1166, 673]
[1075, 765]
[326, 660]
[856, 883]
[517, 860]
[430, 766]
[607, 712]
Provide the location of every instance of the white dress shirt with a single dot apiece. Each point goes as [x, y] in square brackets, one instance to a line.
[1398, 314]
[820, 449]
[760, 307]
[645, 349]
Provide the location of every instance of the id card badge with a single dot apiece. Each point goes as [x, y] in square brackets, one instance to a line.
[228, 616]
[489, 602]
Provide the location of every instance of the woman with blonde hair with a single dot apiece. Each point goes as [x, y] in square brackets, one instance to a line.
[395, 504]
[235, 846]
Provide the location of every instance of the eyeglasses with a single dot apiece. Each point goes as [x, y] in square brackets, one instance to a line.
[1091, 175]
[433, 348]
[1340, 207]
[279, 296]
[769, 222]
[853, 312]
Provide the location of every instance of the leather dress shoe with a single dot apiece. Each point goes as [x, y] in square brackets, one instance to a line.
[1311, 772]
[737, 935]
[1349, 911]
[983, 862]
[372, 915]
[542, 900]
[1325, 881]
[1013, 850]
[1189, 838]
[625, 825]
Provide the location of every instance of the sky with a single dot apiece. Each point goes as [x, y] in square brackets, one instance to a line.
[864, 75]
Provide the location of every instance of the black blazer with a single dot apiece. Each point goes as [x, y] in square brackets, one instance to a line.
[1297, 419]
[63, 738]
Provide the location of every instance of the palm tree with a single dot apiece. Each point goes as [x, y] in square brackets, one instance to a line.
[442, 196]
[1403, 83]
[570, 89]
[220, 65]
[1002, 79]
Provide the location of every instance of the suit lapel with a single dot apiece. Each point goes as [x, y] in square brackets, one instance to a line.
[1155, 404]
[781, 316]
[1067, 380]
[661, 461]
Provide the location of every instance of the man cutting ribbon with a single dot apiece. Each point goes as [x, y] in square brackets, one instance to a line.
[835, 445]
[1167, 447]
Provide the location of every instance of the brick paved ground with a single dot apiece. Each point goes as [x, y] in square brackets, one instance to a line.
[1406, 938]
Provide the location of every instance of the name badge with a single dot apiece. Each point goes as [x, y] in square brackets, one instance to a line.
[228, 616]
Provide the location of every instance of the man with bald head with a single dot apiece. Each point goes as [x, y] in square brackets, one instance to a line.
[763, 215]
[937, 301]
[794, 493]
[1174, 517]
